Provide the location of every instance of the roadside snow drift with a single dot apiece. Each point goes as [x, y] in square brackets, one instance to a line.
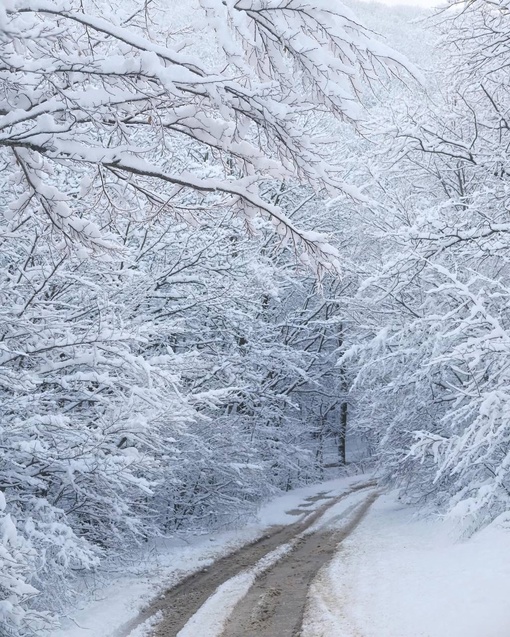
[397, 576]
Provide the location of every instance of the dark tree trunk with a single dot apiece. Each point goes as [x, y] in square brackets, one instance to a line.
[344, 387]
[343, 432]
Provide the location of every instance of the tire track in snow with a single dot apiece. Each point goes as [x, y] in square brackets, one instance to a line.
[275, 604]
[180, 603]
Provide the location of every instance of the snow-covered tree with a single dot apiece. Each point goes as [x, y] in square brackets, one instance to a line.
[158, 368]
[97, 100]
[433, 366]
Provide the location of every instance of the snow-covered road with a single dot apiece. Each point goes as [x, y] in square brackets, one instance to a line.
[108, 608]
[221, 600]
[331, 560]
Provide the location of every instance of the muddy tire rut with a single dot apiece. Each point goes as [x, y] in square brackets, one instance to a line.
[275, 604]
[180, 603]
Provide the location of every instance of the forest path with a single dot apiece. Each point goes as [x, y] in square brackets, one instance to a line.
[275, 604]
[276, 600]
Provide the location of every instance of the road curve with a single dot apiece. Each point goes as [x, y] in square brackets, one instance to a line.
[180, 603]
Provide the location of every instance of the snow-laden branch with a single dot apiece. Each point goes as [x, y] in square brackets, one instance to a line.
[80, 79]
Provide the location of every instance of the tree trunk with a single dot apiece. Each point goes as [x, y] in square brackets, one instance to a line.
[343, 432]
[344, 405]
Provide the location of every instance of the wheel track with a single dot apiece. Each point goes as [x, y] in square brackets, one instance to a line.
[179, 603]
[275, 604]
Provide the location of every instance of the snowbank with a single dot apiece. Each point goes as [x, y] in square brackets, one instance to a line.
[400, 576]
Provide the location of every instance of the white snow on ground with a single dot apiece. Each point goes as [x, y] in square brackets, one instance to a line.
[276, 511]
[111, 606]
[145, 629]
[400, 576]
[340, 514]
[395, 576]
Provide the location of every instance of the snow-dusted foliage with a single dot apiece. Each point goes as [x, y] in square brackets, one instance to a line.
[160, 370]
[96, 97]
[433, 339]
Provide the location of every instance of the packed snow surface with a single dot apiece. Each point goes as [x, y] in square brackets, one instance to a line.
[400, 576]
[211, 618]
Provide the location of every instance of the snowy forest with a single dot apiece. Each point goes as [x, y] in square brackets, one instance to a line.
[243, 242]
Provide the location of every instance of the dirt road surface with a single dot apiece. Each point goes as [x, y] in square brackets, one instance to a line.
[274, 606]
